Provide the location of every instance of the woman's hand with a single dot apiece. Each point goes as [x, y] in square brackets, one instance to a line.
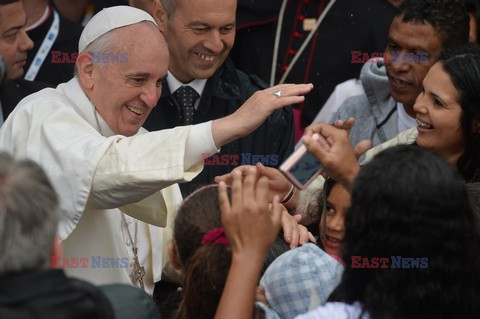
[340, 161]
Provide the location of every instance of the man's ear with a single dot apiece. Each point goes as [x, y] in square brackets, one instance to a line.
[85, 70]
[160, 15]
[56, 254]
[174, 258]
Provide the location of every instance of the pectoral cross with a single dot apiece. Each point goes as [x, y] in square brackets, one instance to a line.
[138, 271]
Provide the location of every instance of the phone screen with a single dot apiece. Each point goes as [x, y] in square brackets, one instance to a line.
[305, 168]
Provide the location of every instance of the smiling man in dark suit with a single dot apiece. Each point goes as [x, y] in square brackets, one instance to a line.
[200, 35]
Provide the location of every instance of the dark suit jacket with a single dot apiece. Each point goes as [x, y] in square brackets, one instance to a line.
[13, 92]
[223, 94]
[50, 294]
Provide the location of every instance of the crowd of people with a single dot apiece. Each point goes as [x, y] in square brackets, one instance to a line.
[110, 109]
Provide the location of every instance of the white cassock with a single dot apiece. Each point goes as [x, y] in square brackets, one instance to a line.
[99, 176]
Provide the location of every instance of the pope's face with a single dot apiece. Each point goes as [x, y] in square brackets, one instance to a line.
[125, 93]
[200, 35]
[14, 41]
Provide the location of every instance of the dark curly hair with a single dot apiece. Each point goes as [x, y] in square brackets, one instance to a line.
[463, 66]
[449, 18]
[409, 202]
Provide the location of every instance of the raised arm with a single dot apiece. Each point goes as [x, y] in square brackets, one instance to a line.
[251, 229]
[256, 110]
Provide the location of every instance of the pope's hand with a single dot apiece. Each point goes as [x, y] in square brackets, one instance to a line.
[256, 110]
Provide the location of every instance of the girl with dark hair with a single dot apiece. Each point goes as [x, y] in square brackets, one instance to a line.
[334, 203]
[200, 250]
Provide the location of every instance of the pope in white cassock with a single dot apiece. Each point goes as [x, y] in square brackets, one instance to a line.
[116, 181]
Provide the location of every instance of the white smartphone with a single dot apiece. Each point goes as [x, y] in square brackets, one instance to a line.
[301, 168]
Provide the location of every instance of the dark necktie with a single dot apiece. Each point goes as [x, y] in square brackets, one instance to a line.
[186, 97]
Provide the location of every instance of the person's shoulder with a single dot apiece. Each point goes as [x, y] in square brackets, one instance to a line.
[41, 103]
[130, 302]
[93, 297]
[30, 86]
[406, 137]
[248, 80]
[354, 105]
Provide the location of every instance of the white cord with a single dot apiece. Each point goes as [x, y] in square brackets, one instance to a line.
[277, 42]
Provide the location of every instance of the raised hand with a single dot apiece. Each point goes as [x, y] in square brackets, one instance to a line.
[340, 161]
[256, 110]
[251, 228]
[249, 224]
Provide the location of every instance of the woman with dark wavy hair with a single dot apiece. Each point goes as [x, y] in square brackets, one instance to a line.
[448, 110]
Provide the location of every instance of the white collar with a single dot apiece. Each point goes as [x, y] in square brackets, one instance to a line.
[42, 19]
[84, 106]
[197, 84]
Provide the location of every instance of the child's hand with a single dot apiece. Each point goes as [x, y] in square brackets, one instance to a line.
[249, 224]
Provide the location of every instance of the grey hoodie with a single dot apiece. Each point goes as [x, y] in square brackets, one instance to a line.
[375, 111]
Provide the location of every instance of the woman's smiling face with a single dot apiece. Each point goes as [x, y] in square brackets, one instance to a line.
[438, 115]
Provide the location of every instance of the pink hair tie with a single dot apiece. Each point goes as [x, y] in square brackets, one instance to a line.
[215, 236]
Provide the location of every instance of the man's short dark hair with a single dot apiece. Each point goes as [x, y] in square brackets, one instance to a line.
[449, 18]
[3, 2]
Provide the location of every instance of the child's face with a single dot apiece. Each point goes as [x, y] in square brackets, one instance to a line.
[337, 203]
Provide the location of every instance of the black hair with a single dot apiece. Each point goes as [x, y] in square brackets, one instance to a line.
[4, 2]
[205, 266]
[449, 18]
[409, 202]
[463, 66]
[326, 190]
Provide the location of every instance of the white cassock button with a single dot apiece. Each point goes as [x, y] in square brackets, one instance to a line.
[128, 242]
